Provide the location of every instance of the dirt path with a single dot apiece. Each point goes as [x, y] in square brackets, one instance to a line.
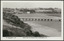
[44, 29]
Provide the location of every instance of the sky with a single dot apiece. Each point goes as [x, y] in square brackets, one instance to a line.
[32, 4]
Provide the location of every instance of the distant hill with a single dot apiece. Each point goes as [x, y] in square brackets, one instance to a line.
[31, 11]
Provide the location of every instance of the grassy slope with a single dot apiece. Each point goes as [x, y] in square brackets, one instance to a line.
[13, 26]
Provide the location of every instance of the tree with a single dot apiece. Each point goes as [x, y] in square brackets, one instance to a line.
[36, 34]
[12, 19]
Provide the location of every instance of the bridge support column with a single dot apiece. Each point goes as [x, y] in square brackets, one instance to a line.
[41, 19]
[44, 19]
[35, 19]
[51, 19]
[59, 19]
[38, 19]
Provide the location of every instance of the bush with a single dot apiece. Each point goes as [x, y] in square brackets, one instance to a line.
[36, 34]
[7, 33]
[13, 20]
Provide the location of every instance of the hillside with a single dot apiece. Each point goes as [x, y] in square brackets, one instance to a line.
[13, 26]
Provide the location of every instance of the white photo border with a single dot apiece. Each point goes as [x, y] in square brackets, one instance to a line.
[30, 38]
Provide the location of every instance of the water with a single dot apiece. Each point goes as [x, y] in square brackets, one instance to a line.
[45, 28]
[49, 28]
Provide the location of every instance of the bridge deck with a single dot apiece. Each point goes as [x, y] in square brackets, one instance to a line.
[40, 16]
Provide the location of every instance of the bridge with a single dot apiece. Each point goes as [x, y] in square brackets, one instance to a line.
[39, 19]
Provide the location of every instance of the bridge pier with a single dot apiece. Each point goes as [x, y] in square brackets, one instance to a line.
[44, 19]
[47, 19]
[59, 19]
[38, 19]
[51, 19]
[41, 19]
[35, 19]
